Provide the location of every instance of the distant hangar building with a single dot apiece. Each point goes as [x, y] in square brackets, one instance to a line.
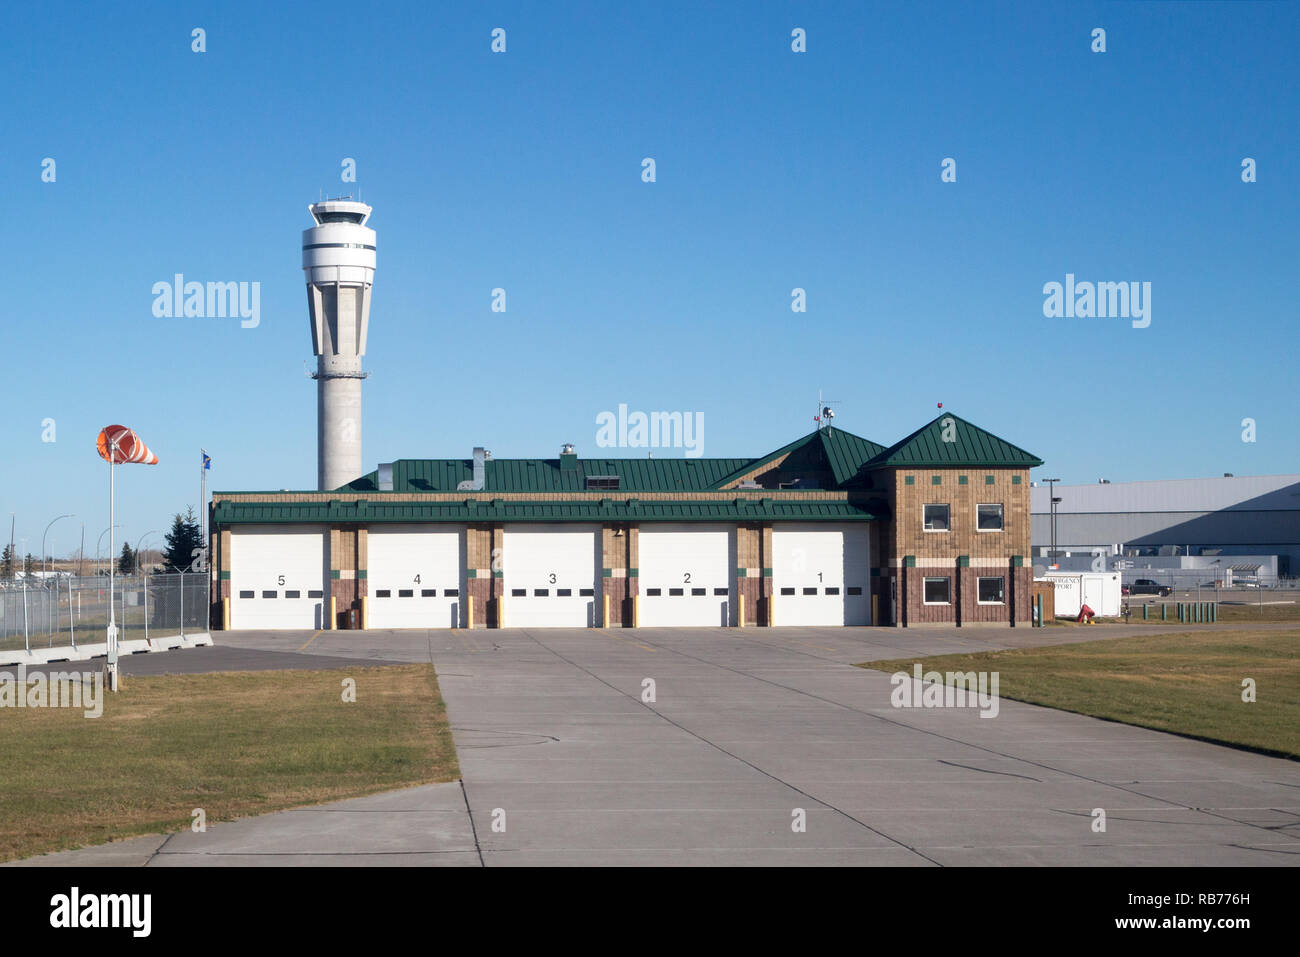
[831, 529]
[1243, 516]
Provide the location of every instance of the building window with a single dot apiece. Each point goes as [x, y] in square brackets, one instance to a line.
[855, 589]
[936, 518]
[602, 483]
[451, 593]
[564, 593]
[909, 480]
[990, 591]
[428, 593]
[1015, 480]
[293, 594]
[312, 593]
[586, 592]
[988, 480]
[384, 593]
[245, 594]
[720, 591]
[653, 592]
[935, 480]
[518, 592]
[936, 591]
[406, 593]
[961, 480]
[988, 518]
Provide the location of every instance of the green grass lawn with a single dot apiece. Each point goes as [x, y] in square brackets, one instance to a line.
[1189, 684]
[233, 743]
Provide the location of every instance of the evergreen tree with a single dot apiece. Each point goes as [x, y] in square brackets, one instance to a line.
[127, 562]
[185, 537]
[29, 564]
[7, 562]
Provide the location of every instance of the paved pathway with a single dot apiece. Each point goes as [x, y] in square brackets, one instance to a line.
[557, 746]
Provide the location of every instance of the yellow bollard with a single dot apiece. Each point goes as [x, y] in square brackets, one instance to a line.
[606, 618]
[740, 611]
[365, 613]
[469, 611]
[329, 623]
[225, 614]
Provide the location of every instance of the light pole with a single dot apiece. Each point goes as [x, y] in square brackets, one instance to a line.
[47, 528]
[1052, 500]
[138, 566]
[98, 543]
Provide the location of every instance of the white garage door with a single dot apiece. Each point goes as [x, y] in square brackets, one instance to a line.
[277, 577]
[821, 574]
[550, 572]
[685, 575]
[415, 576]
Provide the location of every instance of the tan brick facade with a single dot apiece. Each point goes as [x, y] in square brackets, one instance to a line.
[962, 554]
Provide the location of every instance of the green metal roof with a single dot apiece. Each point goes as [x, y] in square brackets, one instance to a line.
[843, 452]
[545, 475]
[970, 446]
[845, 456]
[847, 453]
[606, 510]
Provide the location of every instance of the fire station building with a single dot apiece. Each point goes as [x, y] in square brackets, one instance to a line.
[831, 529]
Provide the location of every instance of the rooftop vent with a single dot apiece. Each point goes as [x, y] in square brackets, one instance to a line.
[568, 458]
[597, 483]
[476, 483]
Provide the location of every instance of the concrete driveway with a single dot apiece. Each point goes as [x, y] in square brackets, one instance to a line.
[564, 763]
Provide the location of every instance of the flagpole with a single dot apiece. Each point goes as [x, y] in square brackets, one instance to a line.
[203, 492]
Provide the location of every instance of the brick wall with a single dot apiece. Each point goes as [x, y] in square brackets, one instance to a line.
[963, 553]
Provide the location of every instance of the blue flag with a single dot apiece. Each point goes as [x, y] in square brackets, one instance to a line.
[207, 462]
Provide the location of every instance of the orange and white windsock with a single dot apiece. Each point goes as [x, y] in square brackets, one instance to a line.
[119, 445]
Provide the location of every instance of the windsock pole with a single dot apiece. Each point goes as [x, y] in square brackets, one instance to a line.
[110, 666]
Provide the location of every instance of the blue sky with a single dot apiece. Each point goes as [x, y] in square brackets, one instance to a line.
[522, 170]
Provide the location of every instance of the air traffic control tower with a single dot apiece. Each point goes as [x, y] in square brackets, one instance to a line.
[338, 256]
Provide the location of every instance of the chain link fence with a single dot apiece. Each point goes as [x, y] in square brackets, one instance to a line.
[1207, 579]
[68, 612]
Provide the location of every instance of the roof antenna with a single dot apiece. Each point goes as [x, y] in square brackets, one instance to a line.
[824, 412]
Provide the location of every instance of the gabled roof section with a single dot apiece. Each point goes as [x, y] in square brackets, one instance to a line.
[847, 453]
[844, 452]
[952, 441]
